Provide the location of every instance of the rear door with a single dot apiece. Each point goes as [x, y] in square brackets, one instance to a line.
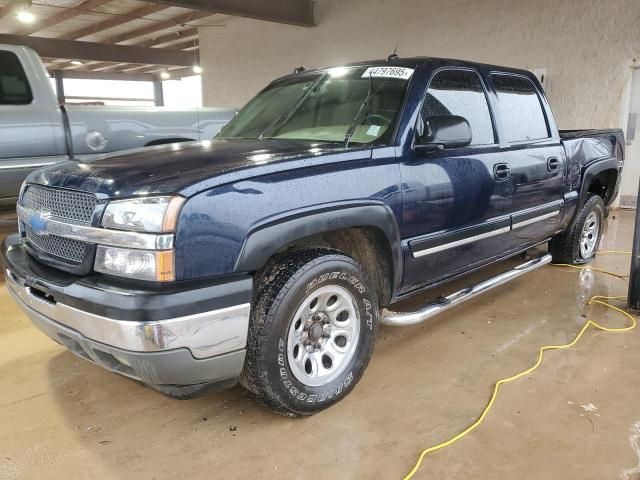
[456, 212]
[534, 158]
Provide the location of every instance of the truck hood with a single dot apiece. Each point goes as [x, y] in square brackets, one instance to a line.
[186, 168]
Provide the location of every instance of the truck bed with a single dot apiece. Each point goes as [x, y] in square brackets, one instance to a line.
[584, 147]
[593, 144]
[569, 134]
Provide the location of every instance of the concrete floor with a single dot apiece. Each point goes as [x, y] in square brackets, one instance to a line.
[577, 417]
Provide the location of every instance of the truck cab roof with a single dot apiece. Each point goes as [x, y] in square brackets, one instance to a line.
[420, 61]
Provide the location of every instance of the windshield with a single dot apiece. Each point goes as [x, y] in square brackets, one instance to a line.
[348, 105]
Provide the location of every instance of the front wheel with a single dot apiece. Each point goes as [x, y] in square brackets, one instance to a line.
[579, 243]
[312, 331]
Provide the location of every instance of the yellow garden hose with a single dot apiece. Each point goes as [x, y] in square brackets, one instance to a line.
[576, 267]
[597, 299]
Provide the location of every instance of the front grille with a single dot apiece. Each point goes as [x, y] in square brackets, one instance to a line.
[64, 205]
[62, 248]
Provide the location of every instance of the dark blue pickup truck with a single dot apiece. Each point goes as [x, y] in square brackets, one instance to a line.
[269, 254]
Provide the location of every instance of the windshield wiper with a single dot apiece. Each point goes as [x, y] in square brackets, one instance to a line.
[284, 118]
[367, 103]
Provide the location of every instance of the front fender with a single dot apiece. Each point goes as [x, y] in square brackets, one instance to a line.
[239, 225]
[263, 242]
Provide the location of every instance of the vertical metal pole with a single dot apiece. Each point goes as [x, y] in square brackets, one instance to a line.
[158, 94]
[58, 75]
[633, 300]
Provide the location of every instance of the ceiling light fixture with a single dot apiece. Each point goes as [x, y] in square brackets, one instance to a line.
[76, 62]
[165, 75]
[197, 69]
[25, 16]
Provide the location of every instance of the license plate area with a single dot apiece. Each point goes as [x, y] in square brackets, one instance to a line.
[41, 295]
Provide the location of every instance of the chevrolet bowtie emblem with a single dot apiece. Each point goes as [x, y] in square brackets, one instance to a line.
[38, 222]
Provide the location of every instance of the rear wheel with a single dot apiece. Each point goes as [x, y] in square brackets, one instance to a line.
[579, 242]
[312, 331]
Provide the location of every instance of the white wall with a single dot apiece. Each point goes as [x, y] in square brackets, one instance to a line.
[587, 46]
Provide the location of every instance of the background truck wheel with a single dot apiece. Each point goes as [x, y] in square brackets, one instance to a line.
[313, 326]
[579, 243]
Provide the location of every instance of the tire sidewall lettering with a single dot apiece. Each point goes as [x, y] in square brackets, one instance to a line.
[351, 279]
[292, 386]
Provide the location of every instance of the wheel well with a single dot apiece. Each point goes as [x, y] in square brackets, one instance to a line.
[368, 246]
[164, 141]
[604, 184]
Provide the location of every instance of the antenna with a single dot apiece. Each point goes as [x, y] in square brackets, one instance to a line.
[394, 56]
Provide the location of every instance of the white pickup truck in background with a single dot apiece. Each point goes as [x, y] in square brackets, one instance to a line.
[36, 131]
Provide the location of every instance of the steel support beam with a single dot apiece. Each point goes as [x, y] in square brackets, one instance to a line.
[291, 12]
[51, 47]
[158, 93]
[180, 21]
[59, 77]
[64, 14]
[136, 77]
[190, 44]
[136, 14]
[148, 76]
[170, 38]
[10, 7]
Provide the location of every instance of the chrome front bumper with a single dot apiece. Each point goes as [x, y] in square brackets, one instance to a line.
[204, 334]
[202, 348]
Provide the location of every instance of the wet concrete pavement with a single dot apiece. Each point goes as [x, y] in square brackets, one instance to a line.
[577, 417]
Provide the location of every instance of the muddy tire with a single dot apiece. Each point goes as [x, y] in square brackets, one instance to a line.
[578, 244]
[312, 331]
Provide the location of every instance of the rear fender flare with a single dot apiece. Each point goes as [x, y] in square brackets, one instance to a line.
[592, 171]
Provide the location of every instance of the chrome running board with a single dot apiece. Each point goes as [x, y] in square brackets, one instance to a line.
[401, 319]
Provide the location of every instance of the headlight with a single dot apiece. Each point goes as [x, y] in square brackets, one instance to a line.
[154, 265]
[149, 214]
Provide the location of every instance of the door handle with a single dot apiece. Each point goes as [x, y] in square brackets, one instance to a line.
[553, 164]
[501, 171]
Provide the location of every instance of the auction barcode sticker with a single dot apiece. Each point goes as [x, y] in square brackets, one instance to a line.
[388, 72]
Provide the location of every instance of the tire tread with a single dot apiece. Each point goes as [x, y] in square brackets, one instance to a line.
[565, 247]
[272, 284]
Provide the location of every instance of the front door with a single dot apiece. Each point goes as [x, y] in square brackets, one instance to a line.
[456, 205]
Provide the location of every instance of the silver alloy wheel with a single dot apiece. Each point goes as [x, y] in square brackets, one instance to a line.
[589, 236]
[323, 335]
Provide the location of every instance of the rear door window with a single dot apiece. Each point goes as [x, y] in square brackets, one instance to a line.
[460, 92]
[14, 86]
[520, 108]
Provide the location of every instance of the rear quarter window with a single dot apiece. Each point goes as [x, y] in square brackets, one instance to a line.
[14, 86]
[520, 108]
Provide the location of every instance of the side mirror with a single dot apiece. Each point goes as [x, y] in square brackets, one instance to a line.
[443, 131]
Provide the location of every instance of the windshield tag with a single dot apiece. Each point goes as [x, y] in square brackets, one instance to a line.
[373, 131]
[388, 72]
